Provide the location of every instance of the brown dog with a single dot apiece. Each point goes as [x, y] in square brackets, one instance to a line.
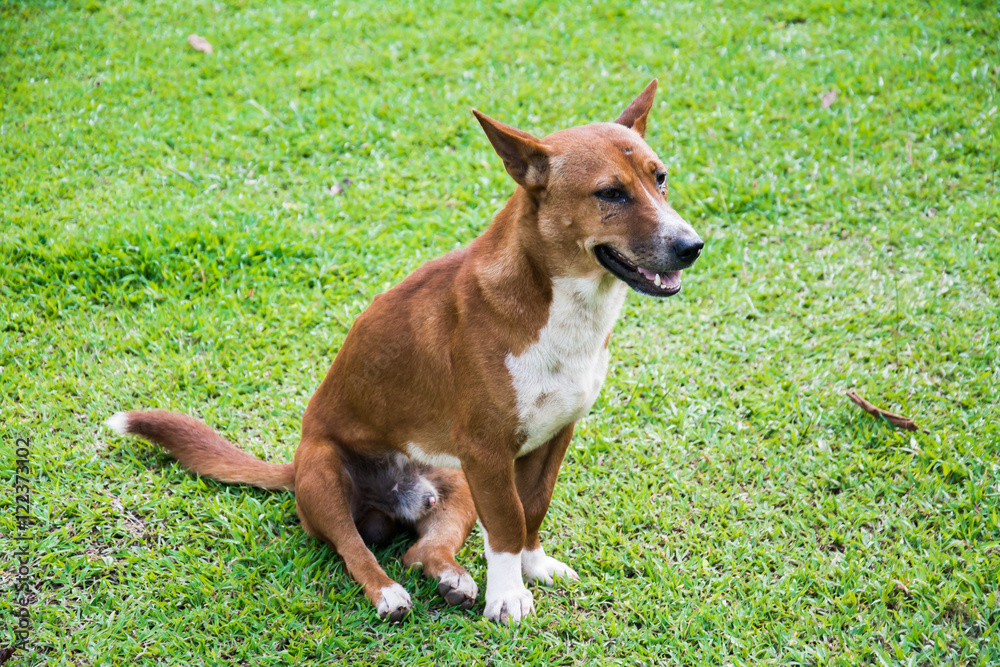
[479, 363]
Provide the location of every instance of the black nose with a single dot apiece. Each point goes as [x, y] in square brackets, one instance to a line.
[688, 249]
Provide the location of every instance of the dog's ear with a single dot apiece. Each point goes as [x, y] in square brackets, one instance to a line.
[635, 116]
[524, 157]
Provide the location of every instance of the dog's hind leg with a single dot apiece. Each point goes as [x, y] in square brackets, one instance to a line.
[322, 499]
[442, 532]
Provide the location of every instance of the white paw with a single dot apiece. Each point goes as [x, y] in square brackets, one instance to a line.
[510, 606]
[536, 566]
[394, 604]
[507, 600]
[458, 588]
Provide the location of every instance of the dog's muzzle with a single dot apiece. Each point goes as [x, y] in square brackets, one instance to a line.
[653, 269]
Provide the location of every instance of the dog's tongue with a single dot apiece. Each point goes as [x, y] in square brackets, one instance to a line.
[668, 279]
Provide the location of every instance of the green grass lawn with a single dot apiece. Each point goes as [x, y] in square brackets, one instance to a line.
[169, 239]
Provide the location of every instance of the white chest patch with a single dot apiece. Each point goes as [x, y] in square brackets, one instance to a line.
[558, 378]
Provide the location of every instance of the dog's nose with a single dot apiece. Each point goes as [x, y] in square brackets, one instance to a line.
[687, 250]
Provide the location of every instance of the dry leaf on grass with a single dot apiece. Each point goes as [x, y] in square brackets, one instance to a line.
[199, 43]
[898, 421]
[338, 188]
[829, 97]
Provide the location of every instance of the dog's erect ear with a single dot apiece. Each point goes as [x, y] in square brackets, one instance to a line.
[635, 116]
[524, 156]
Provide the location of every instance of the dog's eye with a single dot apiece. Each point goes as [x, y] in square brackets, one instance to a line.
[611, 194]
[661, 180]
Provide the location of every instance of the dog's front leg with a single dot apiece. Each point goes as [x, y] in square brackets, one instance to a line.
[536, 477]
[490, 474]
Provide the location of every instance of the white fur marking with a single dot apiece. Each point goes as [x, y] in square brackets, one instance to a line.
[461, 582]
[394, 599]
[536, 566]
[436, 460]
[670, 224]
[507, 600]
[673, 226]
[118, 423]
[558, 378]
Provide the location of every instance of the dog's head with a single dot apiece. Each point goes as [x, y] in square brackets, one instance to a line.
[601, 198]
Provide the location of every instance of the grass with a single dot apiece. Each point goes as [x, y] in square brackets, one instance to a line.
[168, 238]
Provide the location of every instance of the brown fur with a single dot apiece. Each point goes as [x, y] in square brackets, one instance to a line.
[200, 449]
[425, 363]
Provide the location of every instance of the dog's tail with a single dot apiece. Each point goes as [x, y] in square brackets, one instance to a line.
[201, 450]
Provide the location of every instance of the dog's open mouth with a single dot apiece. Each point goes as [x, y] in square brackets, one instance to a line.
[664, 283]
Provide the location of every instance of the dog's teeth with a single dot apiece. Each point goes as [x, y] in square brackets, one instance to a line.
[657, 280]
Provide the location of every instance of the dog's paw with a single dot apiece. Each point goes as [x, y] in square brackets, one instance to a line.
[458, 588]
[536, 566]
[510, 606]
[394, 604]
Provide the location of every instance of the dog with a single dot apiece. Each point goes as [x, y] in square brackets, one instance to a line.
[455, 393]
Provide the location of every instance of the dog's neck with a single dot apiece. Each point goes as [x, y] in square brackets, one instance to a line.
[513, 241]
[517, 277]
[509, 264]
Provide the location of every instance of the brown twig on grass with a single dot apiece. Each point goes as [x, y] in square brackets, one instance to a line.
[199, 43]
[898, 421]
